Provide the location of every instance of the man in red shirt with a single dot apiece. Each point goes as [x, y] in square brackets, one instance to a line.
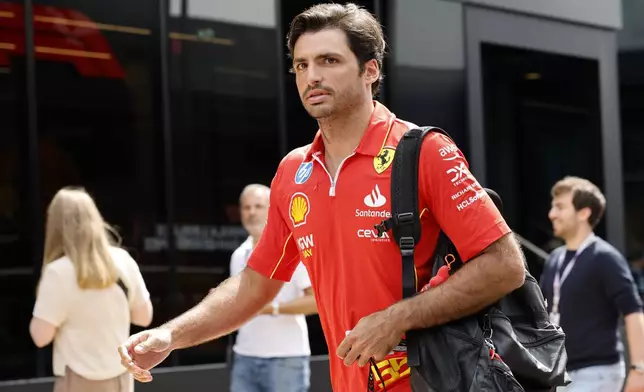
[325, 200]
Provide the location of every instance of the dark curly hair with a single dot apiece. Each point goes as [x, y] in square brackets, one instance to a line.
[363, 31]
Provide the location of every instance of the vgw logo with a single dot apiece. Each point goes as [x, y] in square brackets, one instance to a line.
[306, 244]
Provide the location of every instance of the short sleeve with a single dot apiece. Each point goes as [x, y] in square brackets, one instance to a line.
[618, 283]
[301, 277]
[52, 302]
[460, 206]
[236, 262]
[137, 290]
[275, 255]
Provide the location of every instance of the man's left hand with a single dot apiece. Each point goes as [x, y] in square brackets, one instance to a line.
[373, 337]
[634, 382]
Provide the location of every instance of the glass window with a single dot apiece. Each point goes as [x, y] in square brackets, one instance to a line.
[97, 71]
[426, 81]
[16, 260]
[631, 88]
[225, 135]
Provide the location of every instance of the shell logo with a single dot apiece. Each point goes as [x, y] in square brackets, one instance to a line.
[299, 208]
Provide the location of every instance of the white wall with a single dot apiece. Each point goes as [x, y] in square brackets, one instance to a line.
[175, 7]
[428, 34]
[605, 13]
[258, 13]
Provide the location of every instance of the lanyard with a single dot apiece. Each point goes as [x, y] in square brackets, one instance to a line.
[560, 277]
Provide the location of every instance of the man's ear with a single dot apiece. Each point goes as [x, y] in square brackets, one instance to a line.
[584, 214]
[371, 71]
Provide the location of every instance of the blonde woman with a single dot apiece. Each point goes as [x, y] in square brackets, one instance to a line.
[89, 293]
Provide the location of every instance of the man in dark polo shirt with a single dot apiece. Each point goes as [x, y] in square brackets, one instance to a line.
[588, 286]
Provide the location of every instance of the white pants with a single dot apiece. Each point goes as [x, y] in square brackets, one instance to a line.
[603, 378]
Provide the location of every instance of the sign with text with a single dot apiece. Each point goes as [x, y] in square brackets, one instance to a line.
[204, 238]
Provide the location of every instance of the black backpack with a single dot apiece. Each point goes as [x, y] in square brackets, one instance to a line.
[456, 357]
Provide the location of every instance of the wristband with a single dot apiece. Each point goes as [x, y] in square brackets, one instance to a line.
[638, 367]
[276, 308]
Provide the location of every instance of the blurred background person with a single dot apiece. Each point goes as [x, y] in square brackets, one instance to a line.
[271, 351]
[89, 292]
[588, 285]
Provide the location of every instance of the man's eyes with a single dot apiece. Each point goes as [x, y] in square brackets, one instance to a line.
[299, 67]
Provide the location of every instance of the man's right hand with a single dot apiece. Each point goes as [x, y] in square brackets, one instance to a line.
[144, 351]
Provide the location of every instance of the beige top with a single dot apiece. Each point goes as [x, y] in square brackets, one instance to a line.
[91, 323]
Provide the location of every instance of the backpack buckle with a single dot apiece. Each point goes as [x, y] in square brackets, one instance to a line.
[405, 218]
[406, 243]
[383, 227]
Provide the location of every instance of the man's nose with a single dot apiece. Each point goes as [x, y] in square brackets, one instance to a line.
[313, 75]
[551, 215]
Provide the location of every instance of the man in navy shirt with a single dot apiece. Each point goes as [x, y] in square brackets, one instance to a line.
[588, 285]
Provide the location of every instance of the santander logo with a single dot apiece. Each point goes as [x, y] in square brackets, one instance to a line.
[375, 199]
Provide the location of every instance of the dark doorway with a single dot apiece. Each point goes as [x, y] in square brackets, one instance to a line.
[542, 122]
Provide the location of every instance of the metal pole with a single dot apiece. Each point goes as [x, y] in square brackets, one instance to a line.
[282, 123]
[168, 161]
[34, 216]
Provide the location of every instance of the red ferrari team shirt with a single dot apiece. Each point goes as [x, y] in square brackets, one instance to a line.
[328, 221]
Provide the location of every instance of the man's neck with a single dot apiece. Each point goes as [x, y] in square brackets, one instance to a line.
[255, 241]
[575, 241]
[342, 134]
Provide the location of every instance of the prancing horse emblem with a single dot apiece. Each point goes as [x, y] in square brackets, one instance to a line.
[384, 159]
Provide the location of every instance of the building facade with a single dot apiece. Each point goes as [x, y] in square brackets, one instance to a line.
[164, 109]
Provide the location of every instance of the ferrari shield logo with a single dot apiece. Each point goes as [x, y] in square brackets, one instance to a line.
[384, 159]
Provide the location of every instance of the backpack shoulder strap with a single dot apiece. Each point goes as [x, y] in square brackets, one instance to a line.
[405, 219]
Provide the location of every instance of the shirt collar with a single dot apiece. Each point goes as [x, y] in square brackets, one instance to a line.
[248, 244]
[374, 138]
